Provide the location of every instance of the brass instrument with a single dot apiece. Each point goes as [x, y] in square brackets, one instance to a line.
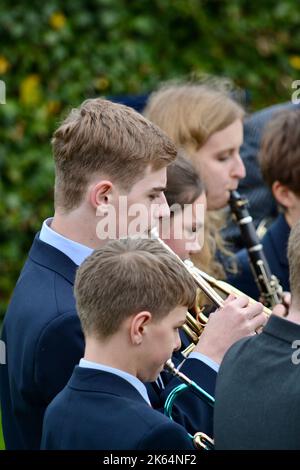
[200, 439]
[195, 323]
[200, 281]
[228, 289]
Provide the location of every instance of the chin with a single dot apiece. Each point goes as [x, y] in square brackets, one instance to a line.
[152, 378]
[217, 205]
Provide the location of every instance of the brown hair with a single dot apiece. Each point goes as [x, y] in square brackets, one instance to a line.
[128, 276]
[279, 154]
[184, 185]
[294, 261]
[190, 113]
[101, 136]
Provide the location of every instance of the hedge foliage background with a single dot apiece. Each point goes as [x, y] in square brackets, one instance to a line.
[55, 54]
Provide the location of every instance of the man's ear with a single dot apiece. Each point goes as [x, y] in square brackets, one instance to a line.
[283, 194]
[101, 193]
[139, 325]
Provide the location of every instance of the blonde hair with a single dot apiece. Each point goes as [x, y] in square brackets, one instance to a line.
[190, 113]
[110, 138]
[126, 277]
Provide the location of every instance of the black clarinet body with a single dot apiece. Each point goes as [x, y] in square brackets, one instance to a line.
[268, 284]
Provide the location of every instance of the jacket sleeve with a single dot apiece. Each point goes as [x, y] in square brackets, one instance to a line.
[167, 436]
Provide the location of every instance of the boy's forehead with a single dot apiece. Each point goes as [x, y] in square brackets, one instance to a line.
[153, 179]
[179, 313]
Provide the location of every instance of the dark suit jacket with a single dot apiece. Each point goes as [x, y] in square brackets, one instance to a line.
[44, 342]
[275, 248]
[99, 410]
[258, 391]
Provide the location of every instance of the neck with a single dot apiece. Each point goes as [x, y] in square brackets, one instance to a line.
[79, 225]
[291, 217]
[112, 353]
[294, 313]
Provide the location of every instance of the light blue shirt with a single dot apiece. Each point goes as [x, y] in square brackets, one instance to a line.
[134, 381]
[78, 252]
[75, 251]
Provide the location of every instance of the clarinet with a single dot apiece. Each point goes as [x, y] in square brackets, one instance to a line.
[268, 284]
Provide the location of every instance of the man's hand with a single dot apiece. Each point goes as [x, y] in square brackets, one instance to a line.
[281, 310]
[228, 324]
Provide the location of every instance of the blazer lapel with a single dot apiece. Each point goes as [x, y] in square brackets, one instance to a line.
[48, 256]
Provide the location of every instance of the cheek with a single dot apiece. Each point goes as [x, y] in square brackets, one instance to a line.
[164, 345]
[211, 173]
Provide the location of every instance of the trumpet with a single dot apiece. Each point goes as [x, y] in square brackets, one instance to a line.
[212, 288]
[195, 323]
[225, 288]
[200, 439]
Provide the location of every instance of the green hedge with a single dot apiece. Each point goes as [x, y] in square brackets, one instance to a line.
[55, 54]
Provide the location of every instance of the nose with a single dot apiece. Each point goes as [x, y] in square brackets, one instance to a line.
[239, 170]
[164, 209]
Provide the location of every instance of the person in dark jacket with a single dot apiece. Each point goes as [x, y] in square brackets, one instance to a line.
[257, 394]
[130, 332]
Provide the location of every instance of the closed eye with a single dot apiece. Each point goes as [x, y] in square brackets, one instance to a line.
[152, 197]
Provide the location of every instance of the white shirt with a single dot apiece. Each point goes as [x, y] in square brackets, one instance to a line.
[75, 251]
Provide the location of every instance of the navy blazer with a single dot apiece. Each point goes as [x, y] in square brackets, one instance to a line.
[98, 410]
[275, 244]
[44, 342]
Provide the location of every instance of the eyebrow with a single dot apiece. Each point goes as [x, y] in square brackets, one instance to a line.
[158, 189]
[231, 149]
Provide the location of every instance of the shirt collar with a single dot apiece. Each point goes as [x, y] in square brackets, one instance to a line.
[75, 251]
[134, 381]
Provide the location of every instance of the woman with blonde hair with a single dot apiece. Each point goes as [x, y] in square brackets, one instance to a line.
[207, 123]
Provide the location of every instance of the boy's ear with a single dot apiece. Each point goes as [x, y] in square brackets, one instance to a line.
[138, 326]
[283, 194]
[101, 193]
